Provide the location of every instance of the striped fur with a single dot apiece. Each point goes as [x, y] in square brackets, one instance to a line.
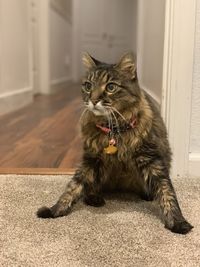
[142, 162]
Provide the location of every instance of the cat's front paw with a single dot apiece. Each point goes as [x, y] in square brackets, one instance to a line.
[146, 197]
[94, 200]
[181, 227]
[57, 210]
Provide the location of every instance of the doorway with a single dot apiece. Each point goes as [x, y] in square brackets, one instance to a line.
[116, 27]
[106, 32]
[154, 29]
[106, 29]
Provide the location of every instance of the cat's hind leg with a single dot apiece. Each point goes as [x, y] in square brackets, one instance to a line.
[158, 183]
[63, 206]
[146, 196]
[166, 197]
[92, 195]
[93, 174]
[92, 190]
[94, 200]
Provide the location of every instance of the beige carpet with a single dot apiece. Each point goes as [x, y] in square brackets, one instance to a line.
[125, 232]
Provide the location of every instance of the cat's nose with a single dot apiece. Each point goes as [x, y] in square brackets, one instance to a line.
[94, 101]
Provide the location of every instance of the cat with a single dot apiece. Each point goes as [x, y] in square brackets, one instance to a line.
[125, 144]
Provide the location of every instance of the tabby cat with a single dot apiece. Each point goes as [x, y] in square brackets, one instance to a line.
[125, 144]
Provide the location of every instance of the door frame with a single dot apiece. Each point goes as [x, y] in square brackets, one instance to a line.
[179, 45]
[41, 14]
[179, 40]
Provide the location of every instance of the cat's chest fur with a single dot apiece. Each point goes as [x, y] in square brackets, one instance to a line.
[98, 143]
[119, 174]
[118, 170]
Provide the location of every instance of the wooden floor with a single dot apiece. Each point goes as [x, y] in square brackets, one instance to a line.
[44, 134]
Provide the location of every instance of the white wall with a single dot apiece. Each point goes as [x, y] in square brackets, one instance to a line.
[15, 57]
[135, 24]
[60, 47]
[150, 43]
[195, 119]
[35, 50]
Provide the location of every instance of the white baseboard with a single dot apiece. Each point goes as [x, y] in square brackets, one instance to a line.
[59, 84]
[16, 92]
[60, 80]
[151, 94]
[194, 165]
[17, 99]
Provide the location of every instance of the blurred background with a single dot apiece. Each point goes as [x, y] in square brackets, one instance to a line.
[41, 43]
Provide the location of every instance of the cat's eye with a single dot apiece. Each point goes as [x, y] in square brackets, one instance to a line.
[87, 87]
[111, 87]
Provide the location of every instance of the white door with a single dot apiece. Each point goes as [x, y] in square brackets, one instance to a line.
[92, 27]
[119, 27]
[35, 39]
[105, 29]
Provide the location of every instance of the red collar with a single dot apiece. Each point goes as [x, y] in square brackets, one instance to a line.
[115, 129]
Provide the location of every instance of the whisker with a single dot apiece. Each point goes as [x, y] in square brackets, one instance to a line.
[117, 123]
[109, 122]
[119, 114]
[114, 109]
[107, 105]
[116, 120]
[82, 114]
[112, 112]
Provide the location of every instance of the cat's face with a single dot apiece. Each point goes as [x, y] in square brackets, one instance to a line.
[107, 87]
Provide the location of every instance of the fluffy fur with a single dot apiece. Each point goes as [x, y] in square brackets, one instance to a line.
[113, 99]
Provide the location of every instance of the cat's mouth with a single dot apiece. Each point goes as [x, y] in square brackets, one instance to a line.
[98, 109]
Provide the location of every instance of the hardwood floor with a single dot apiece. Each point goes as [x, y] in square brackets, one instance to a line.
[44, 134]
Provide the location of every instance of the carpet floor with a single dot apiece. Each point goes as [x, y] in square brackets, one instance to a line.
[125, 232]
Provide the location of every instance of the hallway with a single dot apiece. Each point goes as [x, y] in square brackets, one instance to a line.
[44, 134]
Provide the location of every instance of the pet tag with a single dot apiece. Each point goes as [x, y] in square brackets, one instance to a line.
[111, 149]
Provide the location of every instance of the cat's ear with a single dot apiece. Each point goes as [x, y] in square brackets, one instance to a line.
[127, 65]
[89, 62]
